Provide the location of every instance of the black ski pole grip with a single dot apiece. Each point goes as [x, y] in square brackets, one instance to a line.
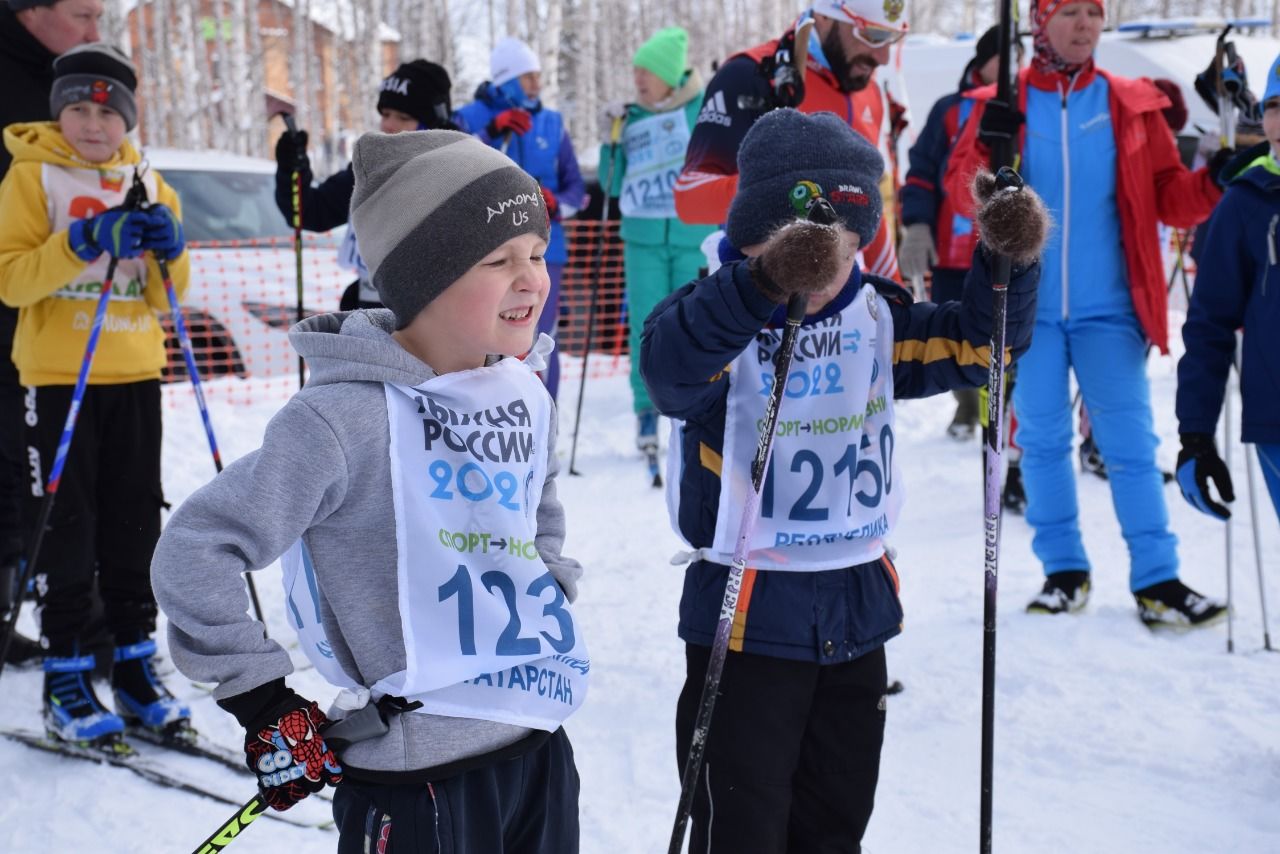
[1008, 178]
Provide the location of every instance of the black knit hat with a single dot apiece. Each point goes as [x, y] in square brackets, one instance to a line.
[19, 5]
[988, 46]
[95, 72]
[420, 89]
[787, 159]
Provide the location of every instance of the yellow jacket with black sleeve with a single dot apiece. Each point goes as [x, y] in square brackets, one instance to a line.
[47, 188]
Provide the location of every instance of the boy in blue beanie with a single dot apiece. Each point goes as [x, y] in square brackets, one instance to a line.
[793, 755]
[1238, 286]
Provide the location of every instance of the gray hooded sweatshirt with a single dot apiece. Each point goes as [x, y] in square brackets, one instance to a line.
[323, 474]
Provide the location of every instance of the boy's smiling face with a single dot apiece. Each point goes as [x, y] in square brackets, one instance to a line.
[95, 131]
[492, 309]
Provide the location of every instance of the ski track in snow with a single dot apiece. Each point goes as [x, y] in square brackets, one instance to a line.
[1108, 738]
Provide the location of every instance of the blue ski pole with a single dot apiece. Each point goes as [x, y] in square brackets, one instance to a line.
[184, 340]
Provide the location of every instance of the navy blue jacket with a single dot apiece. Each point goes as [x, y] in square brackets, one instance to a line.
[324, 207]
[836, 615]
[923, 197]
[1237, 285]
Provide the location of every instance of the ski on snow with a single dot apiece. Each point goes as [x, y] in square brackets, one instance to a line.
[122, 755]
[191, 743]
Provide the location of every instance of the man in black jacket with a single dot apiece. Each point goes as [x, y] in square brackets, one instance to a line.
[32, 33]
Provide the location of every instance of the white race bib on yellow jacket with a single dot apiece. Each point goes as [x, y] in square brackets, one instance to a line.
[74, 194]
[833, 492]
[488, 632]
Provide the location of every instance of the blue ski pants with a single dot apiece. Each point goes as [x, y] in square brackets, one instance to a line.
[1108, 356]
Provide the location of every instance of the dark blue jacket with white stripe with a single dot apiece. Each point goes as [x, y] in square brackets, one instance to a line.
[836, 615]
[1237, 285]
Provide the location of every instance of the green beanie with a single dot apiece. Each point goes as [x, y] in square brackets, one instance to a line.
[665, 54]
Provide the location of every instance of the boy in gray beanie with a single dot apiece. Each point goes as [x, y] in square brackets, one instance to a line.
[409, 490]
[795, 744]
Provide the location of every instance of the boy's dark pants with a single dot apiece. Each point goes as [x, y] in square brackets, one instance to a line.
[106, 515]
[526, 805]
[793, 754]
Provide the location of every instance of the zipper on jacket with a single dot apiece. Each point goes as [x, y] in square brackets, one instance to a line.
[1271, 250]
[1066, 193]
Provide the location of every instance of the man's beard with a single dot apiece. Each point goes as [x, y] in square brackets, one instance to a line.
[852, 75]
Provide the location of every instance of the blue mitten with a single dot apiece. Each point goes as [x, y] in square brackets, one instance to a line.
[116, 231]
[163, 234]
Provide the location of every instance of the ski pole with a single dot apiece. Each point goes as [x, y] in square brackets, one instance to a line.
[230, 830]
[1249, 455]
[615, 133]
[68, 430]
[297, 228]
[184, 340]
[821, 212]
[1226, 459]
[1001, 158]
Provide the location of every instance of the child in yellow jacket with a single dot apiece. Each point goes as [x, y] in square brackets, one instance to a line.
[61, 224]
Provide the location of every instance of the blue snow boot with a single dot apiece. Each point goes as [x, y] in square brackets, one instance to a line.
[72, 712]
[141, 697]
[647, 431]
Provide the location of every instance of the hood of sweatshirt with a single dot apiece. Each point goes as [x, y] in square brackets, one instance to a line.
[43, 142]
[356, 346]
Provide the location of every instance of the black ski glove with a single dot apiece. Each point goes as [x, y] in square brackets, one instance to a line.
[1199, 463]
[1217, 166]
[786, 81]
[283, 746]
[1000, 121]
[291, 153]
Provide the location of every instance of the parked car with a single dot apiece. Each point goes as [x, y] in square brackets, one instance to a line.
[243, 294]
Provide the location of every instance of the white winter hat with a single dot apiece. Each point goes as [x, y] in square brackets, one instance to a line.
[890, 14]
[511, 58]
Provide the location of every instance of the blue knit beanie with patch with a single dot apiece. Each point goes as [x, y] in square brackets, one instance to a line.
[787, 159]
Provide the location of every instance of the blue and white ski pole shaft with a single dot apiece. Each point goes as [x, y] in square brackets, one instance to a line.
[188, 355]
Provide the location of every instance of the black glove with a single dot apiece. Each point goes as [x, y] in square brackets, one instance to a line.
[1000, 121]
[1012, 220]
[284, 749]
[1217, 165]
[786, 80]
[291, 153]
[1199, 463]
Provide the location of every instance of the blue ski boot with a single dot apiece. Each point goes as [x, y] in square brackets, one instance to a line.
[72, 712]
[141, 697]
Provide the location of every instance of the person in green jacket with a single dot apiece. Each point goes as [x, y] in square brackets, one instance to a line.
[660, 253]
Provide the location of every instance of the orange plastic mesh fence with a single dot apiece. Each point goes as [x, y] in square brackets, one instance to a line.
[244, 297]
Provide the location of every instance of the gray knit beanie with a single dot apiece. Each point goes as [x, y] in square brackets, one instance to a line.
[429, 205]
[95, 72]
[786, 158]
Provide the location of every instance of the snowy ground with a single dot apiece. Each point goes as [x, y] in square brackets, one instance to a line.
[1109, 738]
